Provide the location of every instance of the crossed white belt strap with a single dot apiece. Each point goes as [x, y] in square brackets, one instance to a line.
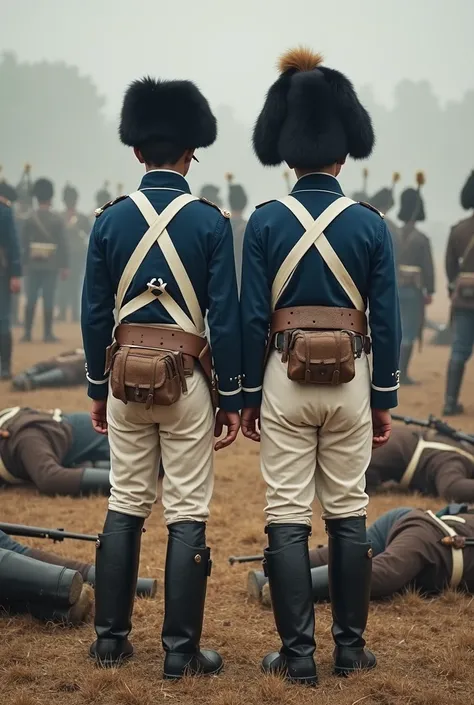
[457, 554]
[5, 416]
[314, 235]
[157, 233]
[425, 445]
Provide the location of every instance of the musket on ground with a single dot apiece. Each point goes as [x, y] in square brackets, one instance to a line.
[245, 559]
[438, 425]
[37, 532]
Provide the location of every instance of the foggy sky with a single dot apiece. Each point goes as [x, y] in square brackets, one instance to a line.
[230, 48]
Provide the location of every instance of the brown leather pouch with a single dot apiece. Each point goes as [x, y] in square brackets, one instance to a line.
[147, 376]
[320, 357]
[463, 296]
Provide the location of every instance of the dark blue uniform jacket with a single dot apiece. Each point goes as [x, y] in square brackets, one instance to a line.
[202, 236]
[363, 243]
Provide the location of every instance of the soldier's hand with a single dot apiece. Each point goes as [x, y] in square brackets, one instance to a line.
[382, 427]
[231, 419]
[15, 285]
[251, 423]
[99, 416]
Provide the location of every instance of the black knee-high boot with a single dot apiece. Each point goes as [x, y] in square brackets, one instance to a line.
[288, 570]
[453, 387]
[117, 558]
[188, 566]
[405, 357]
[350, 570]
[5, 354]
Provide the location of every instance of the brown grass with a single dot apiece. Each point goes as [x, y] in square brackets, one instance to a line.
[425, 648]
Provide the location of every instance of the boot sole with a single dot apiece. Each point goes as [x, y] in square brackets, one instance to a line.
[346, 672]
[169, 677]
[108, 663]
[75, 589]
[253, 588]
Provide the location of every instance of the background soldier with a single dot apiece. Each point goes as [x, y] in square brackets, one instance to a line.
[416, 279]
[64, 370]
[10, 273]
[103, 195]
[45, 256]
[408, 553]
[77, 228]
[23, 209]
[50, 450]
[238, 202]
[460, 274]
[211, 193]
[161, 293]
[427, 462]
[312, 119]
[384, 201]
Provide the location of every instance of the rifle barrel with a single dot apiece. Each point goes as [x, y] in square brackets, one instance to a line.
[245, 559]
[40, 533]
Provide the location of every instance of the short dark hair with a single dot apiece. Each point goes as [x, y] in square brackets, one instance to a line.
[43, 190]
[158, 153]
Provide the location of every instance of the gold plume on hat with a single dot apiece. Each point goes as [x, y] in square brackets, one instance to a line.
[365, 173]
[229, 177]
[396, 177]
[27, 168]
[420, 178]
[301, 59]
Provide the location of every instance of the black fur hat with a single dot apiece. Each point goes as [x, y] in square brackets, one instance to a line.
[211, 193]
[70, 195]
[312, 116]
[7, 191]
[412, 208]
[168, 111]
[467, 194]
[43, 190]
[383, 200]
[237, 196]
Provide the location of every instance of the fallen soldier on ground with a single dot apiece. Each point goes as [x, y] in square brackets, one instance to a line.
[64, 370]
[53, 451]
[411, 548]
[426, 462]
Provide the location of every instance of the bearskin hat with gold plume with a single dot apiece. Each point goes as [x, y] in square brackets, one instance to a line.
[312, 116]
[412, 207]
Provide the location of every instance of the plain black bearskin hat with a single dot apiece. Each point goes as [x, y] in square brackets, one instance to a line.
[70, 195]
[43, 190]
[166, 111]
[102, 196]
[312, 116]
[383, 200]
[412, 208]
[467, 194]
[211, 193]
[8, 192]
[237, 196]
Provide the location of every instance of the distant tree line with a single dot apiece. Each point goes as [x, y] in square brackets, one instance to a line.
[53, 117]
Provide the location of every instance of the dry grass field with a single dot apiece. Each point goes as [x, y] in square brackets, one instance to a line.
[425, 647]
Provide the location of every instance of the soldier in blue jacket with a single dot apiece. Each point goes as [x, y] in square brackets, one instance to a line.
[309, 283]
[158, 295]
[10, 273]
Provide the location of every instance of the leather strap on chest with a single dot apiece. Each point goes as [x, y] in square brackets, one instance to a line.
[314, 236]
[157, 234]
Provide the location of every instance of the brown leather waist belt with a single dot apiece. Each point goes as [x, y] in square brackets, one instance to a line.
[160, 338]
[318, 318]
